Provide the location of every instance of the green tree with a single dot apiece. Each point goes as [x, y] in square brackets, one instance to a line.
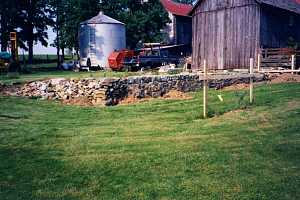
[35, 16]
[68, 15]
[8, 14]
[58, 9]
[144, 21]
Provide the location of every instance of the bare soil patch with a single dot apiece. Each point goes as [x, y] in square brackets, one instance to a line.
[285, 78]
[79, 101]
[173, 94]
[241, 86]
[292, 105]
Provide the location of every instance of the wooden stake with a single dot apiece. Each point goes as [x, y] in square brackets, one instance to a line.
[293, 63]
[205, 89]
[258, 62]
[251, 79]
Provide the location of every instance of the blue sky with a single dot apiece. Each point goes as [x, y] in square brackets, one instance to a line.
[39, 49]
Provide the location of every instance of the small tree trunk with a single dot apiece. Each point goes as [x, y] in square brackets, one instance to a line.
[63, 55]
[30, 51]
[57, 34]
[57, 49]
[77, 54]
[30, 44]
[24, 60]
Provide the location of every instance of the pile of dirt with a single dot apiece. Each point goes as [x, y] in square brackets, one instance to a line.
[284, 78]
[80, 101]
[241, 86]
[173, 94]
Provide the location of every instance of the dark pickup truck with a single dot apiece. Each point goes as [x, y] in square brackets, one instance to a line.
[149, 62]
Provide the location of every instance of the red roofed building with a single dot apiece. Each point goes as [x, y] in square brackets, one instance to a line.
[179, 9]
[179, 30]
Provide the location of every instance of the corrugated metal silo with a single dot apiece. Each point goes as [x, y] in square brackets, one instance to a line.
[98, 38]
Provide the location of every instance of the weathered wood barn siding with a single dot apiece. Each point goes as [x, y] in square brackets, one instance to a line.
[279, 28]
[226, 33]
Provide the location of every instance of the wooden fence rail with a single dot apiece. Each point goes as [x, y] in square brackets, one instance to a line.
[278, 58]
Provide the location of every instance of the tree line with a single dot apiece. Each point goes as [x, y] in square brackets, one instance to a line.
[29, 18]
[32, 18]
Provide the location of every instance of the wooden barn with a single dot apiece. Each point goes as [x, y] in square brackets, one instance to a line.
[227, 33]
[179, 30]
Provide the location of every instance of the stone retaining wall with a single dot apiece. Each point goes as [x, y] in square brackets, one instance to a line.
[110, 91]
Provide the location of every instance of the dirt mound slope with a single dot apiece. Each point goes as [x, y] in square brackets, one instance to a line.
[173, 94]
[284, 78]
[241, 86]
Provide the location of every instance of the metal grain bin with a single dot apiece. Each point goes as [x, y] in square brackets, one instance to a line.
[98, 38]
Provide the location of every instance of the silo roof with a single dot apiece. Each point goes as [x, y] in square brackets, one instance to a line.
[101, 19]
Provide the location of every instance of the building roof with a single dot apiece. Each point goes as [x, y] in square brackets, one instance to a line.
[177, 8]
[101, 19]
[290, 5]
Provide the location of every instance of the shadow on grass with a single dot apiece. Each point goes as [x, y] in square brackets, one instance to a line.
[28, 172]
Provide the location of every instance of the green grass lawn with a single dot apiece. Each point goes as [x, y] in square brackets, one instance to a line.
[155, 150]
[61, 74]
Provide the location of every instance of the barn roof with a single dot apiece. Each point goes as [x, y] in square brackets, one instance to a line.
[290, 5]
[177, 8]
[101, 19]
